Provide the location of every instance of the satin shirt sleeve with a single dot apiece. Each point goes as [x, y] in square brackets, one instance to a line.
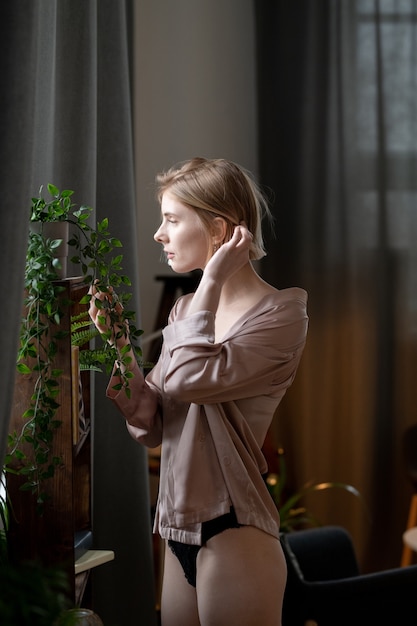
[259, 356]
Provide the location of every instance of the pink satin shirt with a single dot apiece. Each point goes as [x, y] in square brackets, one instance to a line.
[210, 406]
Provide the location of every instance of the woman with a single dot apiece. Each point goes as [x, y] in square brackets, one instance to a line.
[230, 351]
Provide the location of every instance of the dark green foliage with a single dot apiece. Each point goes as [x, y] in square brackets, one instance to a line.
[31, 595]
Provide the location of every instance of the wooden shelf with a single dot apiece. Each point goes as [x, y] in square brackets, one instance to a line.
[92, 558]
[52, 538]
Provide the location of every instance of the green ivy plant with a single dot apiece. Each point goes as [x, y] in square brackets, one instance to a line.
[97, 253]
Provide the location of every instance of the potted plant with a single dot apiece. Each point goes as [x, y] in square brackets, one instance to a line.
[97, 254]
[293, 515]
[32, 595]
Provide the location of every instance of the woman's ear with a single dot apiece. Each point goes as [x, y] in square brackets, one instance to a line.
[218, 230]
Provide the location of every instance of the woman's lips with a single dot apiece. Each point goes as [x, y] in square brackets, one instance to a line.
[169, 257]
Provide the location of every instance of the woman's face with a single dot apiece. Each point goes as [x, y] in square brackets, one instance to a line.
[182, 236]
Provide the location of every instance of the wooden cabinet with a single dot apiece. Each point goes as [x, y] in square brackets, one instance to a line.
[63, 533]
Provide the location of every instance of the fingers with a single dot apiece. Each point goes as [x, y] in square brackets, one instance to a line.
[102, 302]
[241, 235]
[101, 295]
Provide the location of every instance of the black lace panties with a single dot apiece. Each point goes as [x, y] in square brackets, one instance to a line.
[187, 555]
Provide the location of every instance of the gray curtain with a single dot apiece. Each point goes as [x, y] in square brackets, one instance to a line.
[15, 142]
[338, 137]
[66, 118]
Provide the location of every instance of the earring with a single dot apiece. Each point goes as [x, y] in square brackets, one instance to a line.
[215, 246]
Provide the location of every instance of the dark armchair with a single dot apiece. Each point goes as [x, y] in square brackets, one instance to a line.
[324, 584]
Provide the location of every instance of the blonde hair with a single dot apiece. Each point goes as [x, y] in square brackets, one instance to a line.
[219, 188]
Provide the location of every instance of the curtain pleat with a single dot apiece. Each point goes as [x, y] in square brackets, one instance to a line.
[16, 130]
[66, 119]
[123, 592]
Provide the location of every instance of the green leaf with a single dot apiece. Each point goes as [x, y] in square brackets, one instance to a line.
[28, 486]
[103, 225]
[104, 247]
[22, 368]
[55, 243]
[117, 260]
[54, 191]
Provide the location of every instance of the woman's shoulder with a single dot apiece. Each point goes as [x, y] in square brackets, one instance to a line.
[290, 301]
[292, 293]
[281, 309]
[269, 295]
[280, 306]
[278, 297]
[181, 305]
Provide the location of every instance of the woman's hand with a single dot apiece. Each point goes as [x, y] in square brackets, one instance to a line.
[95, 310]
[225, 262]
[106, 314]
[231, 256]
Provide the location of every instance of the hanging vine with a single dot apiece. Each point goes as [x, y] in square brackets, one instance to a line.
[97, 253]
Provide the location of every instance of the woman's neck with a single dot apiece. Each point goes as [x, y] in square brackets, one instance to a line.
[243, 284]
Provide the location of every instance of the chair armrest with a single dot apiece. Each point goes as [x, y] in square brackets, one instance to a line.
[384, 598]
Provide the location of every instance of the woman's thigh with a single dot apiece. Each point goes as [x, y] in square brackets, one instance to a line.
[178, 598]
[241, 576]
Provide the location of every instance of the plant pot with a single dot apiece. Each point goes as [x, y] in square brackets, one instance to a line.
[79, 617]
[55, 230]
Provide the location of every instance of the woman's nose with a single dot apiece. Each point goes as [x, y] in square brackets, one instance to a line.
[158, 236]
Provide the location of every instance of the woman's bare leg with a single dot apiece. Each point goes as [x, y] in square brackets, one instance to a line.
[241, 576]
[178, 598]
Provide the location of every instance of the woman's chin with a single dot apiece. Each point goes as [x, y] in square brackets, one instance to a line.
[180, 269]
[176, 267]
